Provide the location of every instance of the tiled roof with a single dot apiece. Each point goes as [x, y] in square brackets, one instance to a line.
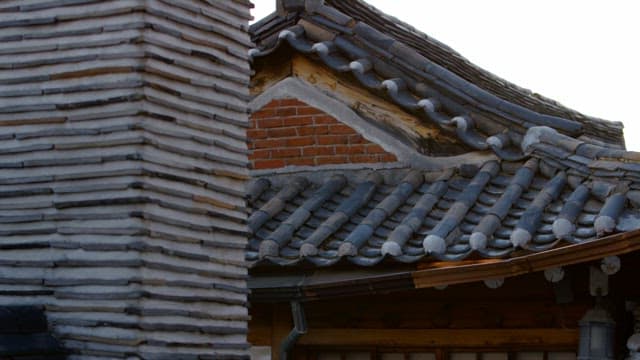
[424, 76]
[559, 177]
[448, 58]
[565, 191]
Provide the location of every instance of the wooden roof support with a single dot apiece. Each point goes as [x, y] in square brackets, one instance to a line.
[573, 254]
[441, 273]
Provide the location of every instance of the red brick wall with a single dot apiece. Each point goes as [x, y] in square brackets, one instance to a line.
[290, 132]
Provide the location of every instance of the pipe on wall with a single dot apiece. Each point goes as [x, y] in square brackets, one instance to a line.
[299, 329]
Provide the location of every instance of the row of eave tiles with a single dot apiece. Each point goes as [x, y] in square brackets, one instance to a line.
[487, 212]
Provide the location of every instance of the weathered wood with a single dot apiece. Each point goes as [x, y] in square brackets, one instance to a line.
[521, 313]
[450, 273]
[618, 244]
[382, 112]
[268, 73]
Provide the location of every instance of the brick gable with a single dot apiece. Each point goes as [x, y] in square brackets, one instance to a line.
[289, 132]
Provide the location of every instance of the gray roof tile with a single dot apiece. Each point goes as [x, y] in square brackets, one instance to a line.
[607, 218]
[367, 221]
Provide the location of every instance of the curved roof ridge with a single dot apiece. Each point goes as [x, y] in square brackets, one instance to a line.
[409, 27]
[342, 16]
[489, 211]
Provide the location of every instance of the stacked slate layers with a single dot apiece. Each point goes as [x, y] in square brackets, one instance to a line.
[123, 166]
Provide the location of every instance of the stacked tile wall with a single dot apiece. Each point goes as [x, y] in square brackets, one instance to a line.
[123, 163]
[288, 132]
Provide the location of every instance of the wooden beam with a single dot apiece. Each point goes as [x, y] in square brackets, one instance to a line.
[260, 325]
[268, 73]
[471, 338]
[449, 273]
[568, 255]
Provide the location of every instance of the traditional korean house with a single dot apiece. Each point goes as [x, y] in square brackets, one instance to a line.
[407, 204]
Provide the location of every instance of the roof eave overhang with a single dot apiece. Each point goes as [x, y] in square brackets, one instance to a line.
[271, 288]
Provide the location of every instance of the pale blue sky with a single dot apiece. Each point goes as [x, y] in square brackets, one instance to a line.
[584, 54]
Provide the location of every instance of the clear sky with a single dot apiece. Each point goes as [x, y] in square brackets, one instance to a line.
[584, 54]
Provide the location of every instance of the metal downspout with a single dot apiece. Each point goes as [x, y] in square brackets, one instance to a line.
[299, 328]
